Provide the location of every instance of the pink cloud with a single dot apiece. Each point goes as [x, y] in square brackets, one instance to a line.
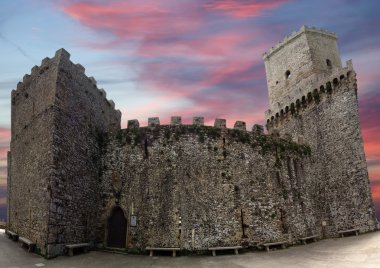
[133, 19]
[244, 9]
[376, 193]
[5, 134]
[213, 45]
[175, 55]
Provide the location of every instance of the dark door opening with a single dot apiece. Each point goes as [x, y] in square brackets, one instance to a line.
[117, 229]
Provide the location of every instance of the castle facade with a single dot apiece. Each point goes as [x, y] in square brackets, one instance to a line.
[75, 176]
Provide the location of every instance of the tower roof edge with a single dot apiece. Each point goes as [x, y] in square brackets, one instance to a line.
[294, 35]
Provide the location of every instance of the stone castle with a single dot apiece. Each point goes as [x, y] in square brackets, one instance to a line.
[75, 176]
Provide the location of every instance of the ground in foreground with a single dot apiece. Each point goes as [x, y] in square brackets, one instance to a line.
[356, 251]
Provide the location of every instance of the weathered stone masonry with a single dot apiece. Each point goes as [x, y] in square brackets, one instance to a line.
[325, 116]
[59, 118]
[217, 181]
[74, 174]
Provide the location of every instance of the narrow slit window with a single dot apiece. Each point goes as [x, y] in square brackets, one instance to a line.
[146, 148]
[287, 74]
[328, 63]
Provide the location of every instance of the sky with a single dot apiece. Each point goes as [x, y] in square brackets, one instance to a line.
[185, 57]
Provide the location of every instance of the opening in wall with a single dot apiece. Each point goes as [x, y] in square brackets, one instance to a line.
[287, 74]
[146, 148]
[328, 63]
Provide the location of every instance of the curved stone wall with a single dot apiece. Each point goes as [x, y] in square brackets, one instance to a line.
[198, 186]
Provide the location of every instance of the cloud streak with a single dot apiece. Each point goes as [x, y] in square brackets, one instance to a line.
[178, 57]
[17, 47]
[243, 9]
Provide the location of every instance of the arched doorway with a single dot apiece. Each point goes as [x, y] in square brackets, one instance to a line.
[117, 229]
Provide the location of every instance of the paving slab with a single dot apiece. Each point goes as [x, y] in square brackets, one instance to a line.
[350, 252]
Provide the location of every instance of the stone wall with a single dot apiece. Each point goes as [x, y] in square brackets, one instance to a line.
[31, 158]
[328, 121]
[215, 181]
[83, 120]
[189, 186]
[59, 121]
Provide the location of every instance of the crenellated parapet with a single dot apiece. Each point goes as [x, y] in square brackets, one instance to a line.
[217, 138]
[320, 89]
[135, 134]
[47, 87]
[198, 121]
[49, 68]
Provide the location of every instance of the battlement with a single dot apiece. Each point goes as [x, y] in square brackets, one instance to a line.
[295, 35]
[327, 86]
[197, 122]
[143, 139]
[74, 175]
[61, 56]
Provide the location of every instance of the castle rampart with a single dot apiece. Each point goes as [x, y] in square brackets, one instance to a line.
[197, 121]
[74, 176]
[199, 176]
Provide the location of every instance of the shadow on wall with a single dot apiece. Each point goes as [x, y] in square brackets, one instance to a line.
[3, 212]
[377, 209]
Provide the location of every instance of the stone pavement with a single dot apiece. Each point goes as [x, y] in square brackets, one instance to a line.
[356, 252]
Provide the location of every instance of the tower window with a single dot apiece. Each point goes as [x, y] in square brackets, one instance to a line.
[287, 74]
[328, 63]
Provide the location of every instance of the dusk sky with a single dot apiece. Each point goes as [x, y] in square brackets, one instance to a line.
[185, 57]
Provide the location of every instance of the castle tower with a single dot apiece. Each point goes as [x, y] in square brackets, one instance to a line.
[297, 63]
[59, 121]
[313, 99]
[75, 177]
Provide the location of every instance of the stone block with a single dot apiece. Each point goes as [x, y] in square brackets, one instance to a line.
[93, 80]
[112, 103]
[19, 85]
[35, 70]
[80, 68]
[62, 54]
[240, 125]
[45, 61]
[258, 129]
[220, 123]
[198, 121]
[134, 123]
[153, 121]
[118, 114]
[103, 92]
[176, 121]
[26, 78]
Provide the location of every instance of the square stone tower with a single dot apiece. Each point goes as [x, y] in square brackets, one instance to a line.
[313, 99]
[60, 119]
[294, 65]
